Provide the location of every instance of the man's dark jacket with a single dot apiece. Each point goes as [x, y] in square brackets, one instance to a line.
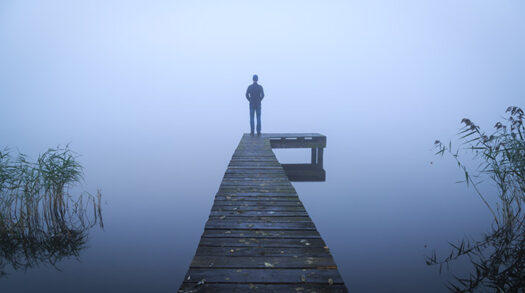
[255, 94]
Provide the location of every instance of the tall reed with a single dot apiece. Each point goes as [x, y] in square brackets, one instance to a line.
[498, 257]
[40, 221]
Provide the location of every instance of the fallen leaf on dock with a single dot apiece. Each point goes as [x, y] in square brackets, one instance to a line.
[309, 260]
[268, 265]
[330, 281]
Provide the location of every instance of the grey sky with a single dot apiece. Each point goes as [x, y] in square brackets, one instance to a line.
[125, 60]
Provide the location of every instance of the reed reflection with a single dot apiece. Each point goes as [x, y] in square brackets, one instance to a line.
[40, 221]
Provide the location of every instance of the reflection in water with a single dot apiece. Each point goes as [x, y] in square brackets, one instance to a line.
[304, 172]
[40, 222]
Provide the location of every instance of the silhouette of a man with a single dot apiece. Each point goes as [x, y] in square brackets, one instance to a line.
[255, 94]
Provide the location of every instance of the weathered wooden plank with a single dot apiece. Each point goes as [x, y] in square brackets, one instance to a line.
[260, 197]
[253, 171]
[244, 178]
[261, 262]
[261, 242]
[294, 276]
[304, 234]
[252, 185]
[263, 191]
[260, 189]
[257, 287]
[253, 182]
[255, 168]
[251, 157]
[258, 203]
[254, 176]
[258, 213]
[270, 219]
[256, 198]
[255, 207]
[259, 225]
[263, 251]
[292, 135]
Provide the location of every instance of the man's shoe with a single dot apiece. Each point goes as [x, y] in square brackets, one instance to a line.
[258, 133]
[251, 133]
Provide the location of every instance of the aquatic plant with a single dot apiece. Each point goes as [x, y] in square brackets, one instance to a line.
[40, 221]
[498, 257]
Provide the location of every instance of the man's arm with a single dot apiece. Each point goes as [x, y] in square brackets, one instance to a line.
[262, 93]
[248, 94]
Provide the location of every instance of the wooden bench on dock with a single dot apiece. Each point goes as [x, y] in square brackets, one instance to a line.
[259, 237]
[302, 172]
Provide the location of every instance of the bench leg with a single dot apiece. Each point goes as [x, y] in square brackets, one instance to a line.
[314, 156]
[320, 157]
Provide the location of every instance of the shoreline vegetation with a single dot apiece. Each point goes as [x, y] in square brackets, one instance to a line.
[497, 257]
[41, 223]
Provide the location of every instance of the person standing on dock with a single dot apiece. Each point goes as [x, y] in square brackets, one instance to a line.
[255, 94]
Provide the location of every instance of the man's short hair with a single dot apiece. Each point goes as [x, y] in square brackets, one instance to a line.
[255, 77]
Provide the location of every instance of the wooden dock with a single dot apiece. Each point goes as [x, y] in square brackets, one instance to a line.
[259, 237]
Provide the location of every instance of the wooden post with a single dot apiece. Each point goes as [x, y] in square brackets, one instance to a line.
[320, 157]
[314, 156]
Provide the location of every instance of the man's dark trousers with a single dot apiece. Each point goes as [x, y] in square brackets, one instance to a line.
[255, 108]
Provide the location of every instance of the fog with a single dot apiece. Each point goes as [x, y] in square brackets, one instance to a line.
[151, 95]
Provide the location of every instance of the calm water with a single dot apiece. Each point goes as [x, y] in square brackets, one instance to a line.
[151, 94]
[377, 215]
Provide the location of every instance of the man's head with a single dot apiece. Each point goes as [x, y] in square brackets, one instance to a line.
[255, 78]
